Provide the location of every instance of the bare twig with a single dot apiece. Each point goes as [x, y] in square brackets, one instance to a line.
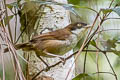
[10, 33]
[104, 73]
[110, 7]
[107, 30]
[85, 59]
[111, 18]
[3, 64]
[97, 54]
[98, 51]
[111, 3]
[15, 23]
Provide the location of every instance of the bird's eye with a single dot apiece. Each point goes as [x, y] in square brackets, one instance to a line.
[79, 25]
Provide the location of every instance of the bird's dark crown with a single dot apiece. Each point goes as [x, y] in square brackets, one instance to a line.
[77, 25]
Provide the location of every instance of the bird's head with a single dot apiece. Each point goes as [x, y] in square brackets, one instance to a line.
[77, 27]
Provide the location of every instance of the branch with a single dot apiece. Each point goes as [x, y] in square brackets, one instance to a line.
[111, 18]
[9, 29]
[104, 72]
[99, 51]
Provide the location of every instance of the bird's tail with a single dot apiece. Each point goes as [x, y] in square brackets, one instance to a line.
[19, 46]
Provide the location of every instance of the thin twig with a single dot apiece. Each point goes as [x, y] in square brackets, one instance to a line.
[85, 59]
[104, 72]
[111, 3]
[111, 66]
[9, 29]
[97, 53]
[37, 74]
[3, 64]
[111, 18]
[107, 30]
[110, 7]
[15, 23]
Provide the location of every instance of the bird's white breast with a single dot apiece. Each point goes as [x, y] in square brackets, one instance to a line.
[73, 39]
[70, 43]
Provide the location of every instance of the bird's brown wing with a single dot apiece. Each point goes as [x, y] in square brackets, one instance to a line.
[55, 35]
[42, 41]
[51, 41]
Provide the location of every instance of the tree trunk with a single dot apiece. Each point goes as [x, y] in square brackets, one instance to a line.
[55, 17]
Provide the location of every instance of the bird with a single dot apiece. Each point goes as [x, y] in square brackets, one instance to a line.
[55, 43]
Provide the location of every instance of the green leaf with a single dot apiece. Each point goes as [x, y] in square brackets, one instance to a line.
[81, 76]
[109, 44]
[105, 11]
[9, 18]
[11, 5]
[29, 16]
[117, 2]
[108, 10]
[28, 8]
[80, 42]
[74, 1]
[116, 52]
[72, 7]
[117, 10]
[93, 43]
[85, 7]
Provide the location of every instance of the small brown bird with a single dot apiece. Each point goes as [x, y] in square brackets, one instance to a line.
[55, 43]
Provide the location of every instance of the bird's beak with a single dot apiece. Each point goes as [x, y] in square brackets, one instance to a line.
[87, 26]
